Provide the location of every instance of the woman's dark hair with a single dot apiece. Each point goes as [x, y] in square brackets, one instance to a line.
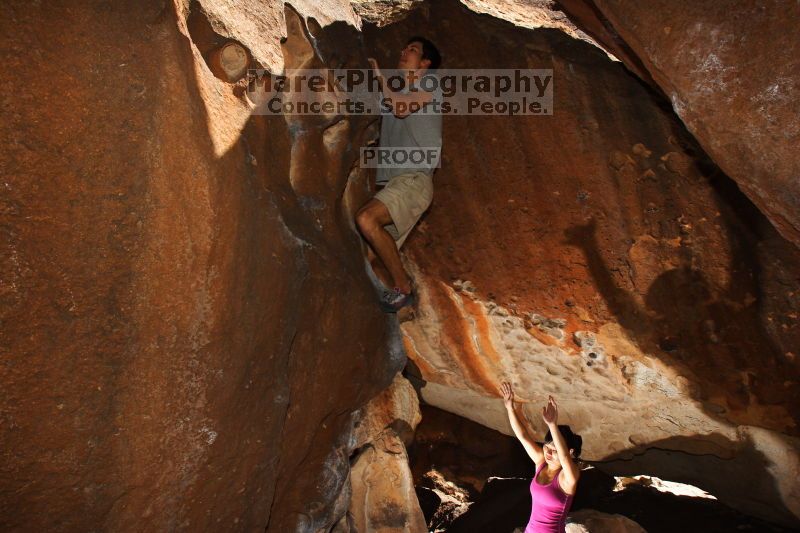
[574, 441]
[429, 51]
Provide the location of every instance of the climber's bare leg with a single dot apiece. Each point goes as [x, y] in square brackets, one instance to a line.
[371, 220]
[379, 268]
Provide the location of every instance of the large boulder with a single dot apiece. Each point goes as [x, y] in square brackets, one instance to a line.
[186, 323]
[599, 256]
[732, 73]
[382, 494]
[591, 521]
[383, 497]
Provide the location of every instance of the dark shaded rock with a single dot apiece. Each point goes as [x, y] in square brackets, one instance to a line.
[732, 76]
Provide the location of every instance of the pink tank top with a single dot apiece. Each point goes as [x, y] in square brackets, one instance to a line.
[549, 507]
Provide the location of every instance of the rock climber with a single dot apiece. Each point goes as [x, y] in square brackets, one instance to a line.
[556, 478]
[410, 120]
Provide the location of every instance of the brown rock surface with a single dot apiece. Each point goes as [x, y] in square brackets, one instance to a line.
[382, 486]
[589, 520]
[597, 255]
[186, 326]
[732, 73]
[186, 329]
[730, 70]
[383, 497]
[397, 407]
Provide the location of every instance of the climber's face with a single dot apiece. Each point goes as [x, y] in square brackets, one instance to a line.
[411, 57]
[551, 454]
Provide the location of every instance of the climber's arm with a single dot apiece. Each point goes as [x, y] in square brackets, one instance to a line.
[531, 447]
[401, 104]
[571, 470]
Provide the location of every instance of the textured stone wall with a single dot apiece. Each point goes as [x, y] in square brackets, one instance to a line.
[599, 256]
[382, 497]
[732, 73]
[186, 323]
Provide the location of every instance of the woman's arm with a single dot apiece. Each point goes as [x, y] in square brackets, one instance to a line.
[571, 470]
[534, 450]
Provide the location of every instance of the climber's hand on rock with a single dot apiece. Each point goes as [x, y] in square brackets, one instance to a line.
[550, 412]
[508, 394]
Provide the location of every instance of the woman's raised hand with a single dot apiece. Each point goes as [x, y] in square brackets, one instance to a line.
[508, 394]
[550, 412]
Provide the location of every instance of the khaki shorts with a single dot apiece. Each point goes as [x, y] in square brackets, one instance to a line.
[407, 197]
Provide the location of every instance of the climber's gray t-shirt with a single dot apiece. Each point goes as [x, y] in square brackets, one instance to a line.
[422, 129]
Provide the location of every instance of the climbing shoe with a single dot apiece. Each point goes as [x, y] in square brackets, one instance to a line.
[394, 300]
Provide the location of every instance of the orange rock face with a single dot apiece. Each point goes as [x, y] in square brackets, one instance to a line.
[186, 325]
[597, 255]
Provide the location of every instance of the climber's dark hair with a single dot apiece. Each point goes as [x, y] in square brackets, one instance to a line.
[574, 441]
[429, 51]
